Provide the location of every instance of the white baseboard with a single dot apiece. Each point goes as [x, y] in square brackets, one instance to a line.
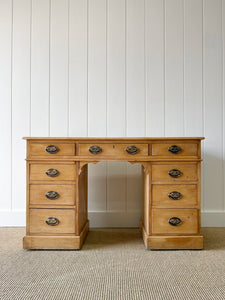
[114, 219]
[12, 218]
[213, 219]
[17, 218]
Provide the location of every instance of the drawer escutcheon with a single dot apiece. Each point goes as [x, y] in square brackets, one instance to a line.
[174, 221]
[174, 149]
[52, 221]
[175, 195]
[52, 149]
[52, 195]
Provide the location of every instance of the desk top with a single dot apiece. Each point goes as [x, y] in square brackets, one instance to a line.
[144, 139]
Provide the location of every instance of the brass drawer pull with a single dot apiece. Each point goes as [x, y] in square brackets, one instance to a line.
[95, 149]
[52, 172]
[175, 173]
[132, 149]
[52, 149]
[175, 195]
[174, 221]
[52, 221]
[52, 195]
[174, 149]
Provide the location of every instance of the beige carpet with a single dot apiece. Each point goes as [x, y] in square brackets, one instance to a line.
[113, 264]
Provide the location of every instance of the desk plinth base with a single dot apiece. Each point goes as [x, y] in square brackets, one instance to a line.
[172, 242]
[56, 242]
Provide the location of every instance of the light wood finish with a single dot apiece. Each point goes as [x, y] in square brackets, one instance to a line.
[160, 172]
[160, 221]
[172, 242]
[71, 183]
[66, 219]
[113, 149]
[160, 195]
[187, 149]
[66, 172]
[146, 206]
[56, 242]
[82, 196]
[66, 194]
[38, 149]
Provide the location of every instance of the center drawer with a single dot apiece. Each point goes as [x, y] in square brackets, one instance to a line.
[172, 172]
[127, 150]
[49, 194]
[52, 172]
[52, 221]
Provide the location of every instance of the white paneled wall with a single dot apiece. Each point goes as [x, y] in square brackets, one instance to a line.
[112, 68]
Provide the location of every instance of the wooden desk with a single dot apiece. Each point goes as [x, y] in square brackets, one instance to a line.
[57, 189]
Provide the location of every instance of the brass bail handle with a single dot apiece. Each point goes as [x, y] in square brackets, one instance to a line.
[132, 149]
[174, 149]
[52, 149]
[52, 172]
[52, 195]
[95, 149]
[51, 221]
[175, 195]
[175, 173]
[174, 221]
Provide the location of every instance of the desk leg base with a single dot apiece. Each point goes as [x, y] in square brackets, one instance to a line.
[56, 242]
[172, 242]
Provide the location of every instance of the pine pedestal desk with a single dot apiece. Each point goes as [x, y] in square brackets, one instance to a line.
[57, 189]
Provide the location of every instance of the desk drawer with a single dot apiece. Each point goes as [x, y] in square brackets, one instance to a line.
[185, 221]
[51, 149]
[49, 194]
[173, 172]
[61, 221]
[174, 196]
[175, 149]
[127, 150]
[56, 172]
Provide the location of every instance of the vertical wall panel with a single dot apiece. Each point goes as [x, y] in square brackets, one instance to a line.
[154, 41]
[223, 81]
[134, 189]
[97, 192]
[116, 171]
[193, 119]
[97, 68]
[193, 80]
[40, 68]
[213, 164]
[59, 68]
[97, 98]
[174, 115]
[116, 186]
[78, 68]
[20, 98]
[135, 68]
[135, 92]
[5, 101]
[116, 75]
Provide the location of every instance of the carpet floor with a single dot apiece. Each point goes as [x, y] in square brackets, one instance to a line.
[113, 264]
